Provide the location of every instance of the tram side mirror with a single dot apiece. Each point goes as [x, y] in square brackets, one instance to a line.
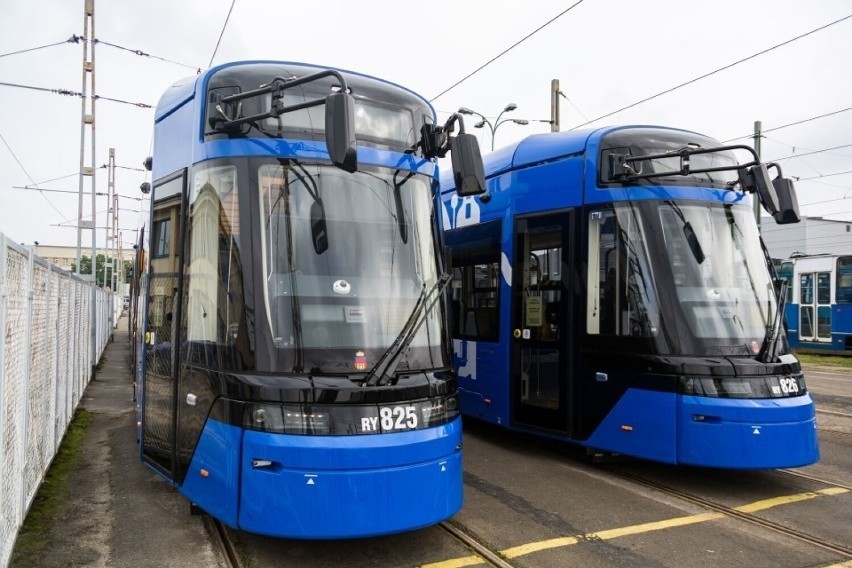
[319, 228]
[340, 131]
[788, 203]
[145, 188]
[468, 171]
[762, 184]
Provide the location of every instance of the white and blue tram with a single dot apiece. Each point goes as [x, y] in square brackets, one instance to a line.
[819, 304]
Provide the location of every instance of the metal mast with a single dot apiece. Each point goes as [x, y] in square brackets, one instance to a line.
[88, 120]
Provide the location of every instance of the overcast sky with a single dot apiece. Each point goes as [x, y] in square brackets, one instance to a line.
[607, 54]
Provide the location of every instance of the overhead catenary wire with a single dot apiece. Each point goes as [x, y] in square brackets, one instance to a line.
[222, 33]
[715, 71]
[505, 51]
[811, 152]
[30, 177]
[44, 89]
[789, 124]
[141, 53]
[140, 105]
[72, 39]
[71, 93]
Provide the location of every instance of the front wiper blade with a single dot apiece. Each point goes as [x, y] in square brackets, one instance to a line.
[769, 348]
[384, 369]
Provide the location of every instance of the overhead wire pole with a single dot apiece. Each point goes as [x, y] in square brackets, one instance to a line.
[88, 171]
[554, 105]
[112, 212]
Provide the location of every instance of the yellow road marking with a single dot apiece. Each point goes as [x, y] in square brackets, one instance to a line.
[540, 545]
[655, 526]
[768, 503]
[525, 549]
[456, 562]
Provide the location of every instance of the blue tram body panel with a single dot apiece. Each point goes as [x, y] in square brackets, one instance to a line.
[375, 484]
[642, 423]
[747, 434]
[218, 456]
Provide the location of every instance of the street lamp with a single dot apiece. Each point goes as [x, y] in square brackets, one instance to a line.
[493, 127]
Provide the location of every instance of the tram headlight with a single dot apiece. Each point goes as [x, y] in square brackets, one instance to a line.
[439, 411]
[286, 419]
[767, 386]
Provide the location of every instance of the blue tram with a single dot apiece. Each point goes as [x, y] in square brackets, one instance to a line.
[819, 306]
[611, 289]
[296, 376]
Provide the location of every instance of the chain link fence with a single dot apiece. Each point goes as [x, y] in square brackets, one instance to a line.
[46, 362]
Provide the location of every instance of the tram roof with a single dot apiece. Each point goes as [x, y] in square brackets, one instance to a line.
[542, 148]
[183, 90]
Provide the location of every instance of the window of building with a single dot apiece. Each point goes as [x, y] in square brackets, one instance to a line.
[161, 238]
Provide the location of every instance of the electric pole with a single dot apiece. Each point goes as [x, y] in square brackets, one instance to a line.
[554, 105]
[88, 119]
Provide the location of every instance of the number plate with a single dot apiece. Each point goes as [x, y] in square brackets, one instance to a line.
[392, 419]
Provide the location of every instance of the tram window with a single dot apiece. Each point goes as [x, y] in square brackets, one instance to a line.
[213, 268]
[843, 290]
[372, 120]
[806, 289]
[475, 297]
[823, 288]
[621, 297]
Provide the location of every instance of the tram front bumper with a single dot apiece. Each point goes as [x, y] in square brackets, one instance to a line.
[747, 433]
[328, 487]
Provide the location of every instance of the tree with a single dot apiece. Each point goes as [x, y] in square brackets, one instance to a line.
[86, 268]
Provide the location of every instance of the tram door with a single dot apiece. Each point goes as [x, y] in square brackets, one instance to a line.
[815, 306]
[158, 397]
[540, 322]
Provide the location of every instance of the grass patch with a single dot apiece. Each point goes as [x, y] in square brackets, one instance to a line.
[830, 360]
[55, 487]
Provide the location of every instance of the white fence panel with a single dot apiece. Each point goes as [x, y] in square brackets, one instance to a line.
[46, 363]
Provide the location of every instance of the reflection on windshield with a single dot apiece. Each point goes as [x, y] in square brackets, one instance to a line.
[373, 120]
[346, 257]
[727, 292]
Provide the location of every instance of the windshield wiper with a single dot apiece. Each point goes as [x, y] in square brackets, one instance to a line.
[769, 348]
[384, 369]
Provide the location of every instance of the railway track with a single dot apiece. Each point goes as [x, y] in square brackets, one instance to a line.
[748, 517]
[222, 542]
[489, 556]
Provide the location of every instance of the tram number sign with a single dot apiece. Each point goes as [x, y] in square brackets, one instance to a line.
[789, 385]
[391, 419]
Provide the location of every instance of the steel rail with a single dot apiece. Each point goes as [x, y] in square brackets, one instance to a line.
[732, 512]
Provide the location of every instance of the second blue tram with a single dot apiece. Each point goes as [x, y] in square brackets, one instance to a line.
[611, 289]
[819, 306]
[296, 379]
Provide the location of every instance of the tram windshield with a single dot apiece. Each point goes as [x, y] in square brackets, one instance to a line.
[345, 259]
[690, 277]
[722, 283]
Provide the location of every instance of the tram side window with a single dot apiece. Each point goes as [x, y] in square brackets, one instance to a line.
[476, 297]
[215, 314]
[843, 291]
[621, 297]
